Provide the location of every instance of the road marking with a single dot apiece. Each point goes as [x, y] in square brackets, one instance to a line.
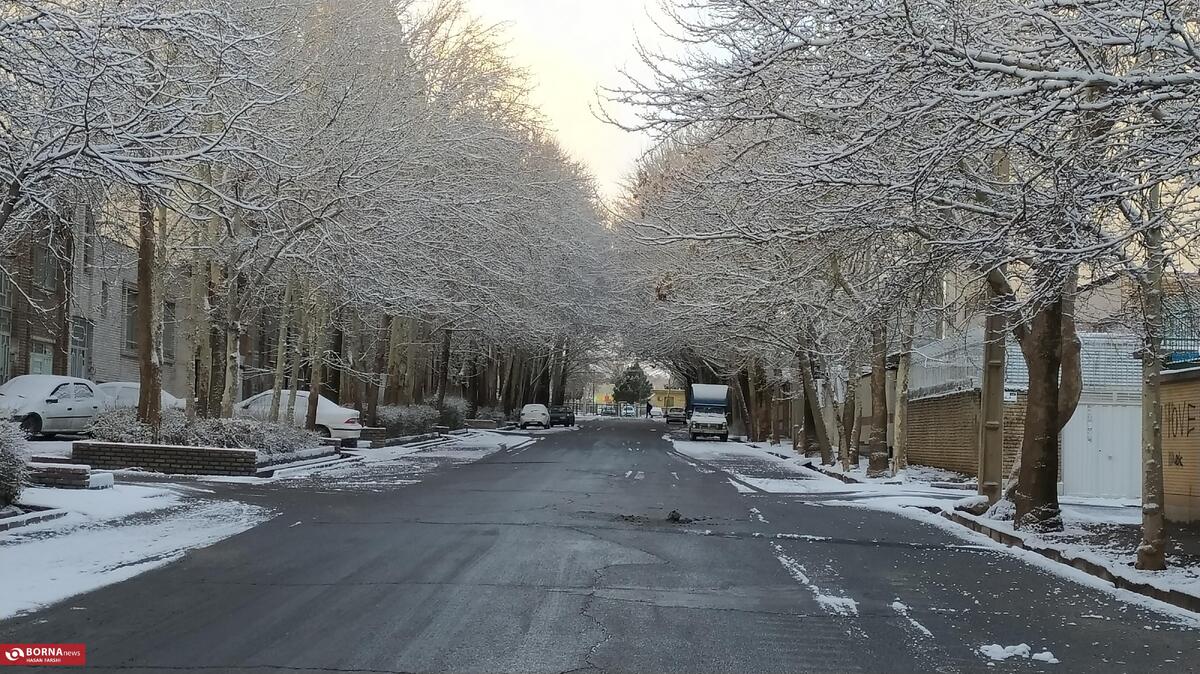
[639, 475]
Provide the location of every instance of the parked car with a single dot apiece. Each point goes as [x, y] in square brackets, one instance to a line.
[333, 420]
[628, 410]
[608, 411]
[710, 407]
[126, 393]
[562, 415]
[45, 404]
[534, 415]
[676, 415]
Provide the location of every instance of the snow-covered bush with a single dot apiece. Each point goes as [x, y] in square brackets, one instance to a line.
[494, 413]
[12, 463]
[454, 412]
[122, 425]
[401, 420]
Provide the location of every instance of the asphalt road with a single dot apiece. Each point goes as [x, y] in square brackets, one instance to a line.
[558, 557]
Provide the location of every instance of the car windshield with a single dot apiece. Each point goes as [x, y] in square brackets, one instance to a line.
[709, 409]
[25, 387]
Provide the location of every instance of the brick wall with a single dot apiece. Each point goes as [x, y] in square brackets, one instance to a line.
[1181, 445]
[166, 458]
[943, 431]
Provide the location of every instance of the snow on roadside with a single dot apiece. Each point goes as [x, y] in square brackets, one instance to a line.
[1179, 616]
[47, 563]
[98, 504]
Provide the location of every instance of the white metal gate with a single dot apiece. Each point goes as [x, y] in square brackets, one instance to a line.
[1101, 451]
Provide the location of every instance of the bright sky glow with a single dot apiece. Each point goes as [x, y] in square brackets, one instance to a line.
[570, 48]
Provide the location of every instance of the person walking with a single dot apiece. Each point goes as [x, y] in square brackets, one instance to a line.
[648, 408]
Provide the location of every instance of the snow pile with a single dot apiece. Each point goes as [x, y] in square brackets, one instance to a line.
[122, 425]
[998, 652]
[902, 609]
[12, 464]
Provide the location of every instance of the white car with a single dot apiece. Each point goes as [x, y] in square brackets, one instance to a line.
[45, 404]
[126, 393]
[333, 420]
[534, 415]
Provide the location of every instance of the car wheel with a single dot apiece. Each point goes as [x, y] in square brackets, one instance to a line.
[724, 438]
[693, 436]
[323, 431]
[31, 426]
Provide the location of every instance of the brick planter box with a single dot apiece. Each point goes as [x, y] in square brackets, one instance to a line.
[166, 458]
[61, 475]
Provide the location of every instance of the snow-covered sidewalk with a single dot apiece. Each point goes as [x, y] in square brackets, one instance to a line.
[108, 536]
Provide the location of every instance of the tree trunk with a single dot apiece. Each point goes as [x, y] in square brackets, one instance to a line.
[877, 458]
[1152, 552]
[281, 352]
[444, 369]
[149, 317]
[850, 414]
[1037, 482]
[298, 343]
[377, 391]
[564, 372]
[317, 375]
[900, 425]
[814, 406]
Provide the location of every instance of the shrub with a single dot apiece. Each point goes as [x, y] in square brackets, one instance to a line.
[122, 425]
[12, 463]
[494, 413]
[401, 420]
[454, 412]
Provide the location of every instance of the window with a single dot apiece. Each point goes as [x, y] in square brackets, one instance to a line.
[6, 321]
[79, 359]
[131, 319]
[168, 331]
[104, 299]
[62, 392]
[45, 269]
[89, 237]
[41, 357]
[83, 392]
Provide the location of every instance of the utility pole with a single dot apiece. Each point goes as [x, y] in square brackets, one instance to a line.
[990, 476]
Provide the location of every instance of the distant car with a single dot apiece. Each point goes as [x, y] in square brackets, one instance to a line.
[562, 415]
[628, 410]
[534, 415]
[656, 412]
[45, 404]
[608, 411]
[333, 420]
[126, 393]
[676, 415]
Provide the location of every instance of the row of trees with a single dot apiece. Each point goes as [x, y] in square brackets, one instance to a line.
[833, 177]
[359, 185]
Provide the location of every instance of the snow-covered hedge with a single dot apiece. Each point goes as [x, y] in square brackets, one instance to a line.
[122, 425]
[402, 420]
[494, 413]
[12, 463]
[454, 412]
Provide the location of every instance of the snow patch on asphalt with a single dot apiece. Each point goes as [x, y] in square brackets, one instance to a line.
[830, 603]
[998, 652]
[902, 609]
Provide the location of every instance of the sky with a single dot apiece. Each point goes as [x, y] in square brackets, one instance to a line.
[570, 48]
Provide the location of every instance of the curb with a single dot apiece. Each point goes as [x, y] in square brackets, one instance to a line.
[36, 517]
[846, 479]
[1183, 600]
